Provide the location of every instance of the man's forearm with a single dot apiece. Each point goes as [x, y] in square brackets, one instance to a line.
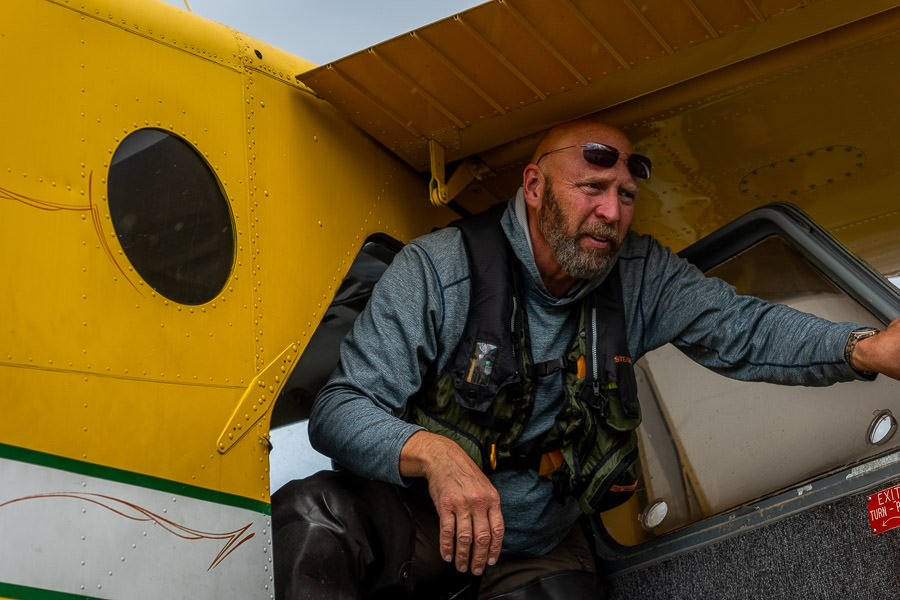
[358, 435]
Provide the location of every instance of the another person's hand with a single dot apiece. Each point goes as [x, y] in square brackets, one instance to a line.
[468, 505]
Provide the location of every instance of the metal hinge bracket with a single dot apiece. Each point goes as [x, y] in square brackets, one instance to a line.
[440, 190]
[258, 398]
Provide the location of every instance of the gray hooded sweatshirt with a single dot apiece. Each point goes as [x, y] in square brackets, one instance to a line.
[415, 317]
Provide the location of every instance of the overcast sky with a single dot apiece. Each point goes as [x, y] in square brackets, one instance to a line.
[325, 30]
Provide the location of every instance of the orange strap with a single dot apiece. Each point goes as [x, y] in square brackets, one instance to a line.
[582, 368]
[550, 462]
[623, 488]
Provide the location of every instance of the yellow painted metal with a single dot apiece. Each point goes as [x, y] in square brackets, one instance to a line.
[437, 187]
[714, 92]
[99, 342]
[95, 365]
[510, 68]
[319, 189]
[442, 190]
[811, 124]
[258, 399]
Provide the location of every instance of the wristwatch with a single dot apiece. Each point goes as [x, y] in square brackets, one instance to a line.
[855, 336]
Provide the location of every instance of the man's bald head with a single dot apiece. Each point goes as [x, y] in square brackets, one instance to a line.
[579, 132]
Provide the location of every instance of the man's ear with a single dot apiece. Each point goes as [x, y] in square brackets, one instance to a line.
[533, 182]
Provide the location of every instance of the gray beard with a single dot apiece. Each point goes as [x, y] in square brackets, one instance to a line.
[574, 260]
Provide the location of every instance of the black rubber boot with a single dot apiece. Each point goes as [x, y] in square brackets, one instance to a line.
[561, 585]
[339, 536]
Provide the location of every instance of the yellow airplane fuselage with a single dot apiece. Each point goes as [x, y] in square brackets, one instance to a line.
[134, 439]
[105, 377]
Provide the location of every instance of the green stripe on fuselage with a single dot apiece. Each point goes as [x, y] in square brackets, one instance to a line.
[138, 479]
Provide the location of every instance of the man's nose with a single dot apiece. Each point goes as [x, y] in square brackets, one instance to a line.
[606, 206]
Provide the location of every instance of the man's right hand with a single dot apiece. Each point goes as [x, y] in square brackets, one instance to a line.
[468, 505]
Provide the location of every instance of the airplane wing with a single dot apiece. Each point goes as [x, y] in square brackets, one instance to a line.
[508, 69]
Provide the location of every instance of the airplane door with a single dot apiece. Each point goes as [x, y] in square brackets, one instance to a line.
[753, 490]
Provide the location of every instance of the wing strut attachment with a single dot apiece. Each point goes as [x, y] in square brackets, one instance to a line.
[258, 398]
[440, 190]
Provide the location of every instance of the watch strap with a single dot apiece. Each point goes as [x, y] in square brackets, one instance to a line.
[855, 336]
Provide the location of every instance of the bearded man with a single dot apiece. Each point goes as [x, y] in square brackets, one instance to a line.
[485, 399]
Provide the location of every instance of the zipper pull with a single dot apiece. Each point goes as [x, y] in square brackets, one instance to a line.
[601, 402]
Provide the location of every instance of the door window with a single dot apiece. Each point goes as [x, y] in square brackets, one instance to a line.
[710, 444]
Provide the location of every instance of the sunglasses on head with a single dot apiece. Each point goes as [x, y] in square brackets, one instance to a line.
[606, 156]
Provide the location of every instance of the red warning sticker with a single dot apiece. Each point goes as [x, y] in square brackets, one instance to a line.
[884, 510]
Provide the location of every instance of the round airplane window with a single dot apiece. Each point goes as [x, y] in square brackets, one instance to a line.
[171, 216]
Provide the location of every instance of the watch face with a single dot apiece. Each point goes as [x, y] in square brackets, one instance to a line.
[861, 334]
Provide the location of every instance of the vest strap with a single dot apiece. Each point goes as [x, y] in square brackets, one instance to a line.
[545, 463]
[549, 367]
